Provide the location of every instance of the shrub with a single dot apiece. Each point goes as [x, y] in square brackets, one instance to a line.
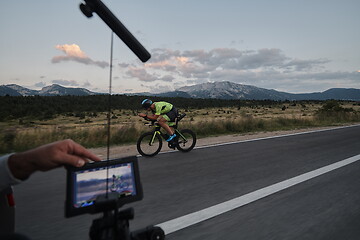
[333, 112]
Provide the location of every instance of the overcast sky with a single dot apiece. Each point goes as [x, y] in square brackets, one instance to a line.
[287, 45]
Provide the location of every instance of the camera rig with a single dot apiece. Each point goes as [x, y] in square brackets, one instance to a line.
[114, 224]
[85, 193]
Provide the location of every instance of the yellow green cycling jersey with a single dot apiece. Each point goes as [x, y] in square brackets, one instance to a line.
[162, 108]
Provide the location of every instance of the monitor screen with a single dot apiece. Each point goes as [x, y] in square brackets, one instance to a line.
[118, 177]
[92, 183]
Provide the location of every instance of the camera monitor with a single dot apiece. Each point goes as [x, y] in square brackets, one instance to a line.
[98, 180]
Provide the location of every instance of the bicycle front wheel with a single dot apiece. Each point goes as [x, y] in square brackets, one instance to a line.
[186, 140]
[149, 144]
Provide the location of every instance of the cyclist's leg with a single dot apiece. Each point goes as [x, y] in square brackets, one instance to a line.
[163, 123]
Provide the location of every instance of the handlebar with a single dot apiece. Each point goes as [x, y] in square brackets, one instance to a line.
[152, 122]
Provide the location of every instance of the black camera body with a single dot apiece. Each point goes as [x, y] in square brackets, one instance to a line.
[105, 187]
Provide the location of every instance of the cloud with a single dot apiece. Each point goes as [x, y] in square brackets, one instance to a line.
[40, 84]
[141, 74]
[74, 53]
[303, 65]
[123, 65]
[197, 61]
[66, 82]
[159, 88]
[86, 84]
[167, 78]
[267, 67]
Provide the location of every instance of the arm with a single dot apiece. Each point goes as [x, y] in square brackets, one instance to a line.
[6, 177]
[47, 157]
[150, 117]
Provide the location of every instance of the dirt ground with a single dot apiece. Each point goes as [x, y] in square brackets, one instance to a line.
[130, 150]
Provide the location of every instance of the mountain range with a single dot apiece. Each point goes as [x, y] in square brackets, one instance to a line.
[230, 90]
[216, 90]
[53, 90]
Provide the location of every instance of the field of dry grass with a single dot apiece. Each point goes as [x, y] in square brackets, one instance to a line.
[91, 129]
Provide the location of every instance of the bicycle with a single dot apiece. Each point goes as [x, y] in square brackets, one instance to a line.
[150, 143]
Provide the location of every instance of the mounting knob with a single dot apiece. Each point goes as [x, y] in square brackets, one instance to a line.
[86, 10]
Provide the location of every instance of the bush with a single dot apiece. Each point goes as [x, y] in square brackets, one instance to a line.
[333, 112]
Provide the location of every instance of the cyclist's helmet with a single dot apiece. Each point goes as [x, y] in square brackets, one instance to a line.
[146, 103]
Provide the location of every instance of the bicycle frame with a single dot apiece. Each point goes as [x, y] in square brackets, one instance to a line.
[180, 135]
[157, 131]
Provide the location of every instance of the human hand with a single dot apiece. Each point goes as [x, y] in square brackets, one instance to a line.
[50, 156]
[142, 115]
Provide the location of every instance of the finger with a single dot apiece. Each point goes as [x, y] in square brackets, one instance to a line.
[73, 160]
[82, 152]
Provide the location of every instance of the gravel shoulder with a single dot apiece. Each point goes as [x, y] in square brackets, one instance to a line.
[130, 150]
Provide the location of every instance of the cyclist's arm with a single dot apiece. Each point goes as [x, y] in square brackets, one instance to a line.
[152, 117]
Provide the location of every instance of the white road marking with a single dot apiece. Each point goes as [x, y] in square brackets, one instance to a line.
[280, 136]
[207, 213]
[259, 139]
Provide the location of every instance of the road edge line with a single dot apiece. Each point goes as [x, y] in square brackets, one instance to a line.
[213, 211]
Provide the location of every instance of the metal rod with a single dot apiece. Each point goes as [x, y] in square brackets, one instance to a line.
[108, 115]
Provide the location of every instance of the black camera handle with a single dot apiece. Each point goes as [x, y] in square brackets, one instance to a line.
[116, 26]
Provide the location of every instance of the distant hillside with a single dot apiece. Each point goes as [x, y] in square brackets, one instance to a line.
[333, 93]
[4, 90]
[216, 90]
[53, 90]
[229, 90]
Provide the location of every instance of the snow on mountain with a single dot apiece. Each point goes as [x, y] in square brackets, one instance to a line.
[229, 90]
[56, 89]
[53, 90]
[22, 90]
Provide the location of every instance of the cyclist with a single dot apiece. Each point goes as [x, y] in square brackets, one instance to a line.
[163, 112]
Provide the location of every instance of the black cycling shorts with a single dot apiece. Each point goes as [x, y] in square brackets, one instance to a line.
[172, 114]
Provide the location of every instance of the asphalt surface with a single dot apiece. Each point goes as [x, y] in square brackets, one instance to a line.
[175, 184]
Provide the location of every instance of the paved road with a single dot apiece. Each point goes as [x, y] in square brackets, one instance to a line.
[175, 184]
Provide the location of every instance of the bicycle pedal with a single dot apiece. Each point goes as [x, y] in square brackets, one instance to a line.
[172, 145]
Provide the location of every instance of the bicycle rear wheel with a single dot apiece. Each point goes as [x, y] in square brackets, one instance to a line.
[186, 140]
[149, 145]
